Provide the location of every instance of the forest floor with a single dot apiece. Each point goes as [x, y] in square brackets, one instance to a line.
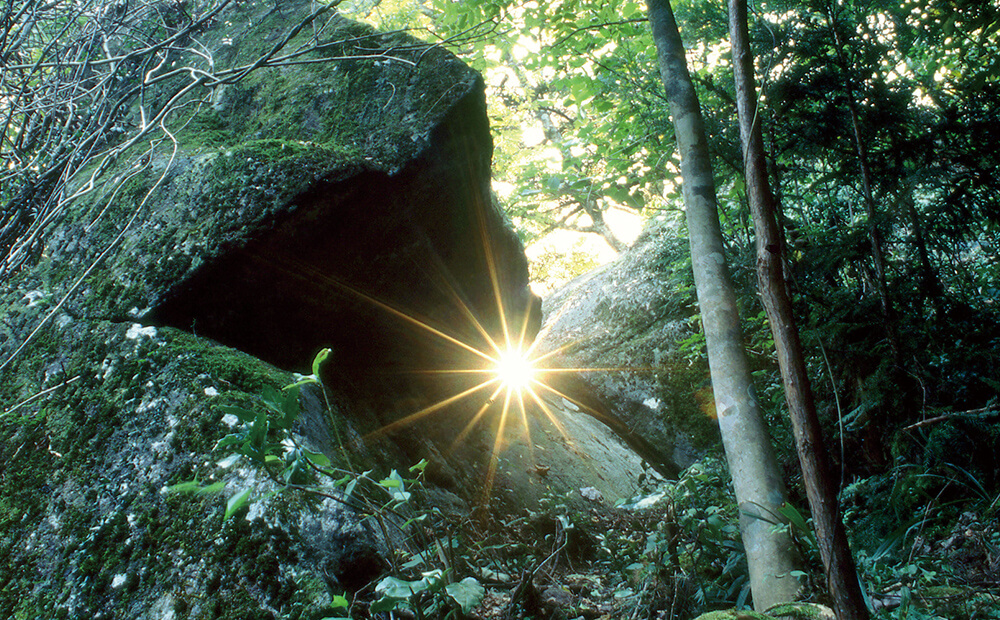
[661, 563]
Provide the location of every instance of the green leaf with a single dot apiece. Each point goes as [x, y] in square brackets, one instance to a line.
[230, 440]
[243, 415]
[215, 487]
[417, 519]
[258, 432]
[339, 601]
[320, 460]
[272, 397]
[468, 593]
[396, 487]
[318, 361]
[289, 406]
[798, 521]
[236, 502]
[386, 603]
[392, 587]
[191, 486]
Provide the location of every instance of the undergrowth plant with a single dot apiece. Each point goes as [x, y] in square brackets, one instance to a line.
[264, 438]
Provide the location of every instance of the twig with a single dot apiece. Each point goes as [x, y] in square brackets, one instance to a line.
[954, 414]
[34, 397]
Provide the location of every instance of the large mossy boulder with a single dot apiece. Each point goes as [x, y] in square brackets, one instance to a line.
[341, 204]
[304, 197]
[92, 522]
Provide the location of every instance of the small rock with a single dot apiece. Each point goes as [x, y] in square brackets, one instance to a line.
[555, 597]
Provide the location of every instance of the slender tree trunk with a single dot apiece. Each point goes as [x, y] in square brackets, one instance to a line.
[757, 480]
[841, 574]
[930, 285]
[874, 234]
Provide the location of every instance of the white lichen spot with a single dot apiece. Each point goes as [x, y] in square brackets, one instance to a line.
[107, 367]
[230, 420]
[591, 494]
[161, 449]
[211, 391]
[118, 581]
[652, 403]
[35, 297]
[153, 404]
[137, 330]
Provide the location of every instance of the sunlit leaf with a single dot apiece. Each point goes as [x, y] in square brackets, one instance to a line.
[236, 502]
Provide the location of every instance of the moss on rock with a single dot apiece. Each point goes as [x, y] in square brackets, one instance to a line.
[88, 526]
[785, 611]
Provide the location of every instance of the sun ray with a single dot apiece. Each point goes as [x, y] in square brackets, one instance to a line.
[451, 290]
[510, 363]
[299, 267]
[413, 417]
[549, 414]
[495, 454]
[472, 423]
[525, 423]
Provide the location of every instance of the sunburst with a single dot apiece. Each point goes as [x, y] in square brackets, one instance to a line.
[511, 378]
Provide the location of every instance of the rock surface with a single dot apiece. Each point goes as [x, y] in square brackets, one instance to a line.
[89, 523]
[324, 205]
[629, 321]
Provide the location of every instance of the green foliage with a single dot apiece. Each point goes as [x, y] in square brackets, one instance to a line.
[265, 439]
[430, 595]
[556, 267]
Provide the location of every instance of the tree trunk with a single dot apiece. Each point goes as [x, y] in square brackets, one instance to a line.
[874, 234]
[841, 574]
[757, 480]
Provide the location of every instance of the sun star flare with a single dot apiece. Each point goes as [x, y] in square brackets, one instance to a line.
[515, 370]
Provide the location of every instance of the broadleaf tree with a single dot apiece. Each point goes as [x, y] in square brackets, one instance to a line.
[821, 489]
[757, 479]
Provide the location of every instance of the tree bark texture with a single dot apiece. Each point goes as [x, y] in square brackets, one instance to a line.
[757, 480]
[841, 573]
